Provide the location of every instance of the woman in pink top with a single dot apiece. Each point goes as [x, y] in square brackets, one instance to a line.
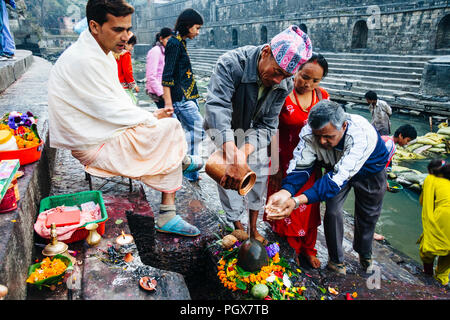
[155, 67]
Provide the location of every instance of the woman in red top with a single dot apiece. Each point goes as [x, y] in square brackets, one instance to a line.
[125, 69]
[300, 228]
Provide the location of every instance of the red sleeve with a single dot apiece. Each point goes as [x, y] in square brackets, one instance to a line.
[127, 68]
[325, 94]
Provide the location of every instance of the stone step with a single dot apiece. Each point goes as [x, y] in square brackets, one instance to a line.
[414, 64]
[371, 84]
[401, 100]
[12, 69]
[101, 276]
[367, 67]
[340, 55]
[358, 77]
[384, 57]
[375, 73]
[362, 90]
[183, 255]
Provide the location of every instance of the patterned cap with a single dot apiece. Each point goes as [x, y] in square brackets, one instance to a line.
[291, 48]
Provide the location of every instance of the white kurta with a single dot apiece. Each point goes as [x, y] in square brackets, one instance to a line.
[86, 103]
[92, 115]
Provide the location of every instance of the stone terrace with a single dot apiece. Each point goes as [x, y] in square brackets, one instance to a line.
[395, 78]
[184, 267]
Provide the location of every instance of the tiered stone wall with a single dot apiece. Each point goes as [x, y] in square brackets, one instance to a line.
[411, 27]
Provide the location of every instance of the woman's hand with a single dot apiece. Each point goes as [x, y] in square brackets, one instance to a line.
[136, 89]
[160, 113]
[168, 109]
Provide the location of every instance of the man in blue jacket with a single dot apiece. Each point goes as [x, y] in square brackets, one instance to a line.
[354, 155]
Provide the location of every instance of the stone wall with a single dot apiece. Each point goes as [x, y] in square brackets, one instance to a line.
[402, 27]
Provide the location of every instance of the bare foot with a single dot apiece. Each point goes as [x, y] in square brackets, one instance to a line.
[260, 238]
[378, 237]
[238, 226]
[313, 261]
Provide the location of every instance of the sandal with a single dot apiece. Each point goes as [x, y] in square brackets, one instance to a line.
[195, 165]
[178, 226]
[337, 267]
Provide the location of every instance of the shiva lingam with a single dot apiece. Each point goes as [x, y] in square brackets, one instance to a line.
[252, 255]
[55, 247]
[215, 168]
[94, 237]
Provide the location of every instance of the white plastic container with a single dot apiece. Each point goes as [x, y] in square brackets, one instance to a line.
[7, 141]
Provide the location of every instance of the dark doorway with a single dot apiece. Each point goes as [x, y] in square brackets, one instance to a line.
[212, 39]
[443, 33]
[303, 27]
[263, 39]
[234, 37]
[360, 33]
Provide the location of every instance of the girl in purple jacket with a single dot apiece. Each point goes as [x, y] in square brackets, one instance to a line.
[155, 67]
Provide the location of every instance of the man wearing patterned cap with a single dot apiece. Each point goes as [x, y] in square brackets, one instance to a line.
[245, 94]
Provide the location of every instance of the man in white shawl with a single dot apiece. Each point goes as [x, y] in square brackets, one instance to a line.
[91, 115]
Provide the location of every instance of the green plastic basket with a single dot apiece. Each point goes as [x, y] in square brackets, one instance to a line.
[394, 186]
[52, 280]
[76, 199]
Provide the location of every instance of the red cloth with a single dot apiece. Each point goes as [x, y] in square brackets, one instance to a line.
[300, 228]
[125, 69]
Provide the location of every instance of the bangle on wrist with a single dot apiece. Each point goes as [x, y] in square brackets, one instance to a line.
[296, 201]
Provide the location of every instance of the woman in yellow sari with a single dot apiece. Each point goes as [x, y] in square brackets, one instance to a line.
[435, 239]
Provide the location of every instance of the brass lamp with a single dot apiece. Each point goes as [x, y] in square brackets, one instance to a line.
[54, 247]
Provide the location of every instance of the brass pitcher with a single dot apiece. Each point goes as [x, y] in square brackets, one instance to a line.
[215, 168]
[93, 237]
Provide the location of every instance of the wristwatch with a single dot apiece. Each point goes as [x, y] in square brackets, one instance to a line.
[297, 202]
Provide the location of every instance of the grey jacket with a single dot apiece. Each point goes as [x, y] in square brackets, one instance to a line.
[232, 96]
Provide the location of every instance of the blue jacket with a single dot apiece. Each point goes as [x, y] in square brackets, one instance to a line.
[360, 153]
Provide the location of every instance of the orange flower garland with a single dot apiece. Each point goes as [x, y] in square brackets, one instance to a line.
[48, 268]
[273, 275]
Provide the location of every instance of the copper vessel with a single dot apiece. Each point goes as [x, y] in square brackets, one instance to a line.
[215, 168]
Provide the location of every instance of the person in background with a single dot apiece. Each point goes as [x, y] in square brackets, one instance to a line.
[179, 85]
[402, 136]
[380, 111]
[7, 44]
[246, 92]
[435, 239]
[155, 67]
[91, 115]
[354, 156]
[300, 229]
[125, 68]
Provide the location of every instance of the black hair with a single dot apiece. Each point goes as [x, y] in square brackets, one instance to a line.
[407, 131]
[132, 40]
[371, 95]
[186, 20]
[320, 59]
[98, 9]
[439, 168]
[164, 33]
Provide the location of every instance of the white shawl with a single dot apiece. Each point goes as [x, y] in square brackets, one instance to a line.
[86, 103]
